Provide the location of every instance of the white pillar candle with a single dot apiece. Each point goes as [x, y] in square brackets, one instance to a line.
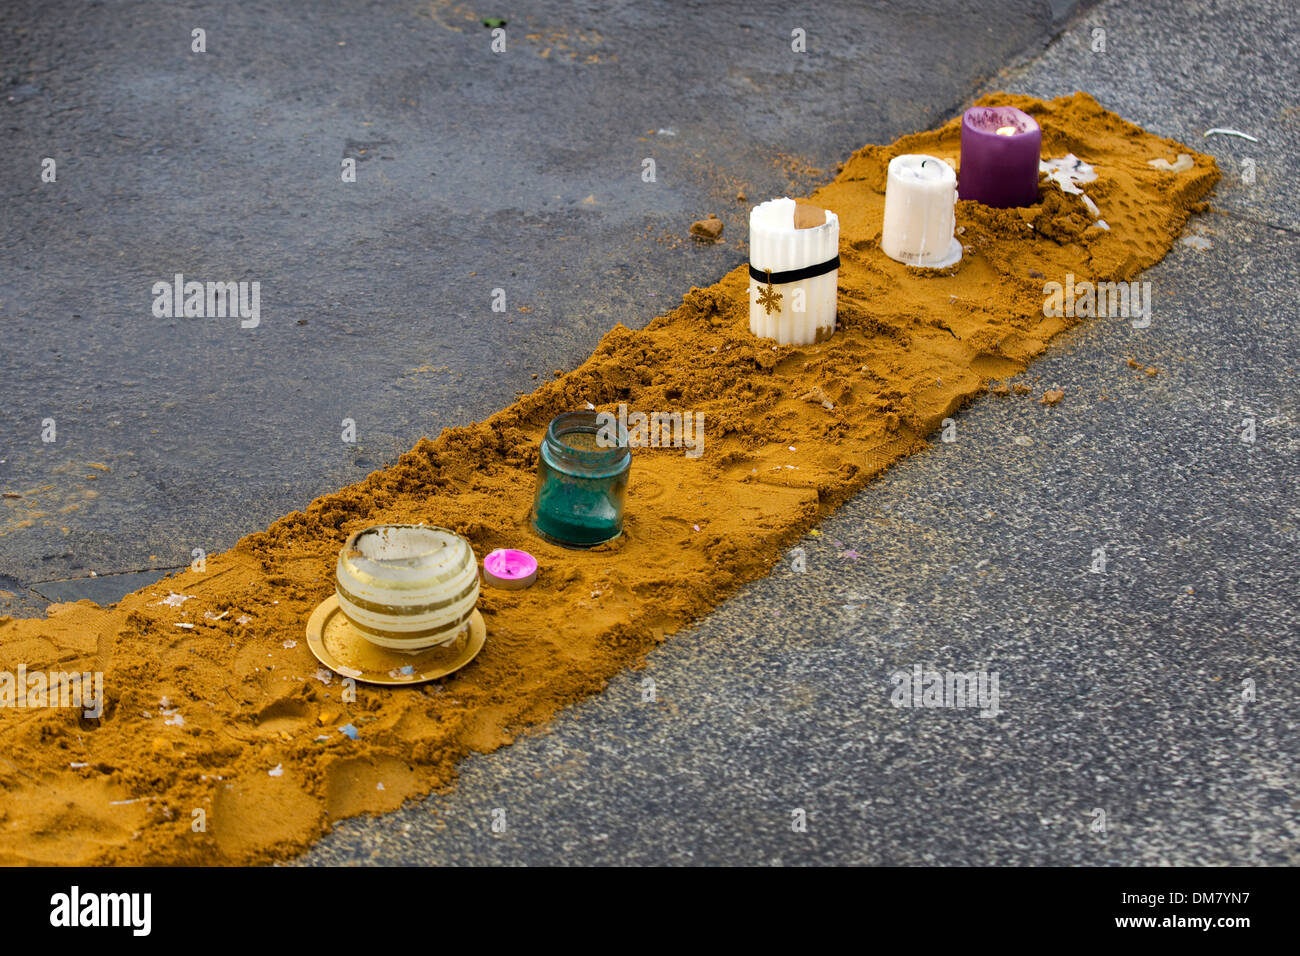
[789, 237]
[920, 203]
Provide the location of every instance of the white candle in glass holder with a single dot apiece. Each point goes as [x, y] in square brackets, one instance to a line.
[920, 204]
[794, 271]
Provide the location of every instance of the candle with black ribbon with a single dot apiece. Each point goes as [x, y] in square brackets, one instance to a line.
[793, 271]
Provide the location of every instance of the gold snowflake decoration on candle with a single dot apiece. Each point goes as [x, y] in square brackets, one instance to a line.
[768, 297]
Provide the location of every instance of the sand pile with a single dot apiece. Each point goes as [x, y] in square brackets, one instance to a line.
[230, 715]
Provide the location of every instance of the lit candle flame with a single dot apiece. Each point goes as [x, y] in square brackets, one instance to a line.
[1006, 131]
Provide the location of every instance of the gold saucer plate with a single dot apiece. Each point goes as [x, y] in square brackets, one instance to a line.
[342, 648]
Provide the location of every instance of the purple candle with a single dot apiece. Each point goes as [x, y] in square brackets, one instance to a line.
[1000, 149]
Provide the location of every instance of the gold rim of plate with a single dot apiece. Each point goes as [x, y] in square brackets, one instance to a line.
[345, 651]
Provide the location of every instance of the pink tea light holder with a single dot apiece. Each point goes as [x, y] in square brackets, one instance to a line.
[509, 568]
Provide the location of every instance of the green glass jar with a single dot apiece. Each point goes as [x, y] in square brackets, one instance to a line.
[581, 480]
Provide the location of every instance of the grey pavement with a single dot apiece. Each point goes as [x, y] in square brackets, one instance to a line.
[476, 170]
[1124, 562]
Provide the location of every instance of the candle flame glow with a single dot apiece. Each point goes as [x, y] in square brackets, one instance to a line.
[1006, 131]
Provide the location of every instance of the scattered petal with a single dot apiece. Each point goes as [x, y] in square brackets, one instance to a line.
[1183, 163]
[1220, 131]
[1068, 172]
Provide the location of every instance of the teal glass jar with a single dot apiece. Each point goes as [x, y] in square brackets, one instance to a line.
[581, 480]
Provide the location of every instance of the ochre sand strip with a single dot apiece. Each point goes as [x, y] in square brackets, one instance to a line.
[911, 350]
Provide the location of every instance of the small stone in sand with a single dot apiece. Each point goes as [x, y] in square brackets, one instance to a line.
[1002, 390]
[1152, 371]
[1021, 389]
[740, 195]
[707, 230]
[1052, 396]
[816, 396]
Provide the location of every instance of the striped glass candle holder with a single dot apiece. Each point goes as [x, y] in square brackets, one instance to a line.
[407, 587]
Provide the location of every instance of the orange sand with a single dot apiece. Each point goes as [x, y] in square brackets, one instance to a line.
[911, 349]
